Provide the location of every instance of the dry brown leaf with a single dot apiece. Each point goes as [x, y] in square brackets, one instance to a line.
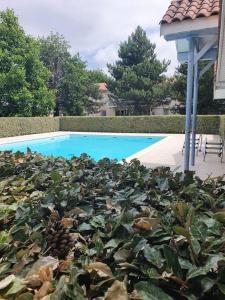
[65, 264]
[26, 257]
[76, 236]
[45, 274]
[100, 268]
[77, 211]
[110, 205]
[44, 290]
[33, 276]
[34, 248]
[20, 265]
[117, 291]
[146, 223]
[67, 222]
[54, 215]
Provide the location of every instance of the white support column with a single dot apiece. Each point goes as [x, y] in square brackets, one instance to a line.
[194, 113]
[189, 103]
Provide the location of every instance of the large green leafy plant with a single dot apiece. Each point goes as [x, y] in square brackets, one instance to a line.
[137, 233]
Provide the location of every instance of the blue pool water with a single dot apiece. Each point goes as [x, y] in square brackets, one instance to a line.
[96, 146]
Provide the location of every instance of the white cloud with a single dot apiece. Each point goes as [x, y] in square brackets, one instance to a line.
[165, 50]
[94, 27]
[105, 55]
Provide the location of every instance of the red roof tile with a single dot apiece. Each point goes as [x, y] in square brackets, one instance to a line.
[180, 10]
[102, 87]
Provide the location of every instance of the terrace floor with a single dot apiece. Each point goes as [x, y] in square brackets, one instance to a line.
[167, 152]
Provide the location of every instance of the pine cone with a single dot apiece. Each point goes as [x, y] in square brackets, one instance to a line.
[58, 239]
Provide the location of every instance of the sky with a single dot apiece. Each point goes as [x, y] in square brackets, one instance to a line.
[95, 28]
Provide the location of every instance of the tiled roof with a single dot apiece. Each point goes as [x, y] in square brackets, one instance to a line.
[102, 87]
[180, 10]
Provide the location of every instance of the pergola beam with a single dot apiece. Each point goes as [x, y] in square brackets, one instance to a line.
[210, 44]
[211, 54]
[184, 35]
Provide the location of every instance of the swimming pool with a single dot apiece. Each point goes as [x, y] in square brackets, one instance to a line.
[97, 146]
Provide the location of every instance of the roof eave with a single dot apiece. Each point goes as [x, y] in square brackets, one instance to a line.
[187, 28]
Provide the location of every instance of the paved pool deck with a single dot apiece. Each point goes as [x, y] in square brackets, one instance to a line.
[167, 152]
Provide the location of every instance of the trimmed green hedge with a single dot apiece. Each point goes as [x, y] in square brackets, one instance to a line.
[222, 126]
[21, 125]
[139, 124]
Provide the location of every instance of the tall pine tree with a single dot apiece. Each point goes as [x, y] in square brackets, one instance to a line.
[137, 72]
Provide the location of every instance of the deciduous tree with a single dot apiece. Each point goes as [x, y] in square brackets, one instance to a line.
[23, 77]
[75, 87]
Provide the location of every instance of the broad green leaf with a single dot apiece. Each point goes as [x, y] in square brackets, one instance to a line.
[113, 243]
[199, 230]
[197, 271]
[17, 286]
[214, 259]
[154, 256]
[196, 247]
[207, 283]
[122, 255]
[220, 216]
[182, 231]
[138, 244]
[6, 281]
[172, 260]
[184, 263]
[149, 291]
[4, 267]
[153, 274]
[221, 287]
[84, 227]
[25, 296]
[56, 177]
[4, 236]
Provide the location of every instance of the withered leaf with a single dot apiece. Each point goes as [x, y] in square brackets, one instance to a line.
[100, 268]
[117, 291]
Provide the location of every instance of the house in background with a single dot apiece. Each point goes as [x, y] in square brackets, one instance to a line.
[107, 106]
[110, 106]
[168, 106]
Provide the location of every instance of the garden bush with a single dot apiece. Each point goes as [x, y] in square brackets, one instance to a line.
[77, 229]
[20, 125]
[139, 124]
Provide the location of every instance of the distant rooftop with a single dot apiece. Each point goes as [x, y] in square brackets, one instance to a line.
[102, 87]
[180, 10]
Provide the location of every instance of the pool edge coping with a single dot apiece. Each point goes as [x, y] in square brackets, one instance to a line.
[136, 155]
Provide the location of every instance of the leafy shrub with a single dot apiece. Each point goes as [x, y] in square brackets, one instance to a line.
[139, 124]
[149, 234]
[21, 126]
